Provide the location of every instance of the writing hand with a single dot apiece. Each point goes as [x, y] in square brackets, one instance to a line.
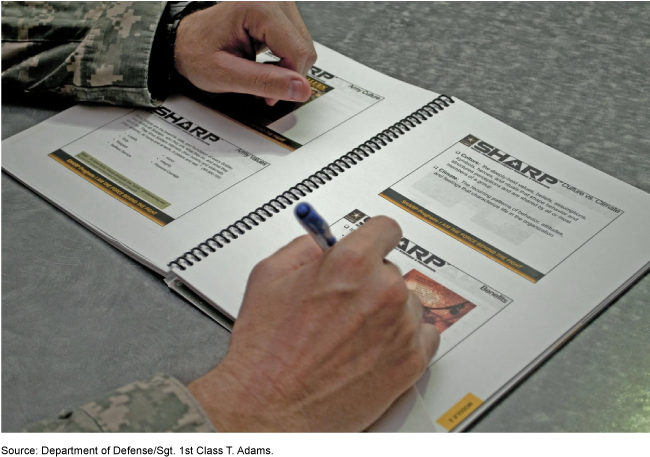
[324, 341]
[215, 50]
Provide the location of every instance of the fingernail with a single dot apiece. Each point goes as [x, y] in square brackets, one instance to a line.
[295, 90]
[271, 101]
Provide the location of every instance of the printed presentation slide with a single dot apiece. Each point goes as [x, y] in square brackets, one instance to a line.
[159, 163]
[520, 216]
[293, 124]
[455, 302]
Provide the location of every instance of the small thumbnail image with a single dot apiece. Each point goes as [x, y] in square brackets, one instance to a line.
[442, 307]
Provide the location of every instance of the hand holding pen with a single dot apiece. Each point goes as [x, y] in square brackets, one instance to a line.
[326, 342]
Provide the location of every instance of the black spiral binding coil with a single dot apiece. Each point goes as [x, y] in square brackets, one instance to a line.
[313, 182]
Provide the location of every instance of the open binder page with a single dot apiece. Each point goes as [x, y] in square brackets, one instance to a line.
[155, 182]
[510, 245]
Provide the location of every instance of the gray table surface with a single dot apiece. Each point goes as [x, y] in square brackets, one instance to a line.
[80, 318]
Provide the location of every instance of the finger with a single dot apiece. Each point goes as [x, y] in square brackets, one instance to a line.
[428, 336]
[284, 40]
[378, 235]
[429, 340]
[294, 16]
[392, 273]
[271, 101]
[291, 10]
[415, 307]
[263, 80]
[396, 267]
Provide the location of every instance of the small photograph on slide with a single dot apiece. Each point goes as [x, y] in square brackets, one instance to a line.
[442, 307]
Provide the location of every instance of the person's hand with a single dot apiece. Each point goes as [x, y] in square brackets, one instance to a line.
[323, 342]
[215, 50]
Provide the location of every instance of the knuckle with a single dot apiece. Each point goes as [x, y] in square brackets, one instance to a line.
[311, 57]
[350, 261]
[262, 269]
[302, 51]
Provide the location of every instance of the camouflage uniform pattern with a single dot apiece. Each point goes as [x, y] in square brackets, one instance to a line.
[92, 51]
[161, 404]
[97, 52]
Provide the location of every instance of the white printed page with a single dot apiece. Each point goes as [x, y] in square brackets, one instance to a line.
[160, 169]
[464, 256]
[512, 212]
[449, 294]
[157, 183]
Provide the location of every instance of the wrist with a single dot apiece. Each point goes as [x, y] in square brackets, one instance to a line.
[226, 402]
[250, 404]
[185, 48]
[212, 391]
[174, 15]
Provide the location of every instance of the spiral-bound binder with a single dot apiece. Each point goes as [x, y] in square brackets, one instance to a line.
[495, 238]
[312, 183]
[498, 229]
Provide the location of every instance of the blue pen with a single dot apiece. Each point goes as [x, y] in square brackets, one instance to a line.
[315, 225]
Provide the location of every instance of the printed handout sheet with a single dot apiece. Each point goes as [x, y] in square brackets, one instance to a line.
[517, 214]
[454, 302]
[159, 163]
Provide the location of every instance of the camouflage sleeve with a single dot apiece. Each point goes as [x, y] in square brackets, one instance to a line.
[92, 51]
[161, 404]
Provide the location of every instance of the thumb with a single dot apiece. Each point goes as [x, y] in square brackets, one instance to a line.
[428, 335]
[264, 80]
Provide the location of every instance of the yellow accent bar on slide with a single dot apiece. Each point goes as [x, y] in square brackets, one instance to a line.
[108, 191]
[458, 238]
